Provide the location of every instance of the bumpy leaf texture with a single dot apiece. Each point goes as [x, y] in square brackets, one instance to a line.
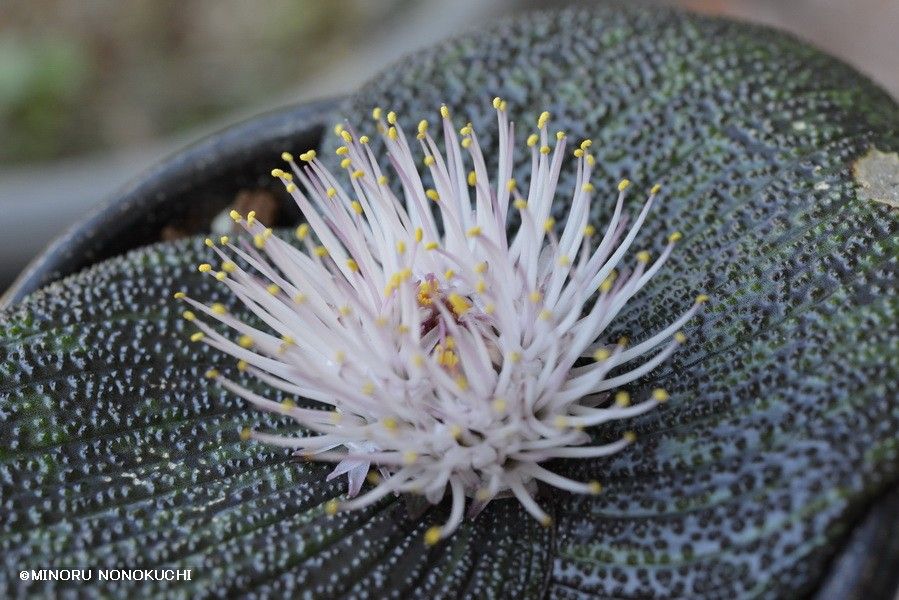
[782, 422]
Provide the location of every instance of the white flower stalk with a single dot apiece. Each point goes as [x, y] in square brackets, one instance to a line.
[442, 351]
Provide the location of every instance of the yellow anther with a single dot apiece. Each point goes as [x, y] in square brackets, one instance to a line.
[409, 457]
[466, 143]
[429, 161]
[630, 437]
[242, 365]
[589, 230]
[609, 281]
[308, 156]
[196, 337]
[389, 423]
[356, 206]
[455, 431]
[368, 388]
[236, 216]
[535, 297]
[560, 135]
[679, 337]
[251, 217]
[352, 265]
[392, 133]
[300, 298]
[503, 105]
[221, 276]
[259, 240]
[459, 304]
[245, 341]
[467, 130]
[623, 185]
[520, 204]
[444, 112]
[560, 422]
[291, 188]
[480, 268]
[532, 140]
[545, 149]
[431, 246]
[473, 231]
[511, 184]
[345, 163]
[346, 136]
[545, 314]
[358, 174]
[400, 246]
[288, 405]
[497, 102]
[419, 234]
[212, 374]
[342, 151]
[543, 119]
[209, 243]
[382, 180]
[286, 156]
[660, 395]
[331, 192]
[339, 357]
[564, 261]
[180, 295]
[461, 382]
[391, 118]
[338, 129]
[245, 434]
[422, 126]
[586, 144]
[472, 178]
[594, 487]
[204, 268]
[588, 187]
[655, 189]
[229, 267]
[578, 153]
[433, 535]
[643, 256]
[321, 251]
[622, 399]
[331, 507]
[188, 315]
[432, 194]
[514, 357]
[499, 405]
[702, 299]
[481, 286]
[623, 341]
[489, 308]
[373, 477]
[376, 113]
[277, 173]
[345, 310]
[590, 159]
[548, 224]
[449, 274]
[601, 355]
[218, 309]
[418, 360]
[364, 139]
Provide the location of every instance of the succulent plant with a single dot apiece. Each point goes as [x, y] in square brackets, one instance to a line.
[779, 167]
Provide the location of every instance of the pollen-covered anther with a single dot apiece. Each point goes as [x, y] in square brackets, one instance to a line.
[444, 321]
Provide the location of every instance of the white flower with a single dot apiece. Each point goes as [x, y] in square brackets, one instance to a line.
[442, 351]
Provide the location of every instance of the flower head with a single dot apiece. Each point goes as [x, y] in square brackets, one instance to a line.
[442, 352]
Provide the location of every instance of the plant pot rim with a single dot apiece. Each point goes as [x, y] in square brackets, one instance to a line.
[82, 243]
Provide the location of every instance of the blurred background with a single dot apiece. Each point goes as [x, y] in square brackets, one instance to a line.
[92, 92]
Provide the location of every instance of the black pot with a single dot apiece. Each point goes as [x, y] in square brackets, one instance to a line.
[192, 186]
[199, 182]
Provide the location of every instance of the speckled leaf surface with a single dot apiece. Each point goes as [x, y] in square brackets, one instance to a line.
[118, 454]
[782, 423]
[784, 410]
